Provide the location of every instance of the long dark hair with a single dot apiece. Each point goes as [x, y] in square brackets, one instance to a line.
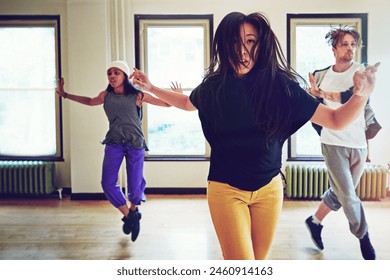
[269, 92]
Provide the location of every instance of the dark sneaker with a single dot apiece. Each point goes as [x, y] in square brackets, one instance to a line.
[315, 232]
[134, 217]
[366, 248]
[127, 226]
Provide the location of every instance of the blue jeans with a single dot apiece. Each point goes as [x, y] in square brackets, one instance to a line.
[113, 157]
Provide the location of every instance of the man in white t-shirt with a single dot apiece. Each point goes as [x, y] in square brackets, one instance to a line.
[344, 151]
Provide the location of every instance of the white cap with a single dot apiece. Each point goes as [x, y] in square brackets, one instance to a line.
[122, 65]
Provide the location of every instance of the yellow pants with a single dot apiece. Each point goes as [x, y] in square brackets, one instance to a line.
[245, 222]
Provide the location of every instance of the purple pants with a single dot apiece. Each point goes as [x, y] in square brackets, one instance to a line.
[113, 157]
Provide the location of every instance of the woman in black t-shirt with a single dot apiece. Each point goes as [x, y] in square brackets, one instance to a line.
[249, 103]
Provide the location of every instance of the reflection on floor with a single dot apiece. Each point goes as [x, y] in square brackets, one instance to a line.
[172, 228]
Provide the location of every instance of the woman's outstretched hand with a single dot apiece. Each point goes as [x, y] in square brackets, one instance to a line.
[176, 87]
[141, 79]
[60, 88]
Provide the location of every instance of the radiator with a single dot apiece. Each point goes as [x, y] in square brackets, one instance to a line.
[311, 181]
[34, 178]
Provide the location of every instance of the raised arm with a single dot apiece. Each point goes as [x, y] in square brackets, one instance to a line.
[318, 92]
[176, 99]
[364, 83]
[90, 101]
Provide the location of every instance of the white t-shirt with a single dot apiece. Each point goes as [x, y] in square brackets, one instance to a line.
[353, 136]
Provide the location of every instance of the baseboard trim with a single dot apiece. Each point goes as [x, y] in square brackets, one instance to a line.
[162, 191]
[88, 196]
[157, 191]
[176, 191]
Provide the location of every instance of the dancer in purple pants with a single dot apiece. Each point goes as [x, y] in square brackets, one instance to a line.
[124, 139]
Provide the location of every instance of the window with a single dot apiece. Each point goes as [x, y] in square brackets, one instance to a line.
[173, 48]
[29, 109]
[307, 50]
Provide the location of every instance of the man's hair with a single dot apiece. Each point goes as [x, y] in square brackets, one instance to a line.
[337, 33]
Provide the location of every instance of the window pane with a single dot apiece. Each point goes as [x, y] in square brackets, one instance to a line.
[27, 85]
[174, 132]
[309, 51]
[175, 53]
[27, 123]
[312, 53]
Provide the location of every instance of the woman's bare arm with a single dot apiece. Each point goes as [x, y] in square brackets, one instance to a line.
[176, 99]
[90, 101]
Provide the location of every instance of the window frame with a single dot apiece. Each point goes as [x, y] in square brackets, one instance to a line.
[174, 19]
[333, 19]
[42, 21]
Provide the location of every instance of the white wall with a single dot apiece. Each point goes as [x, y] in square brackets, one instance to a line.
[89, 42]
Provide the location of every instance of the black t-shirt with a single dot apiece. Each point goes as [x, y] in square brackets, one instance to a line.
[241, 155]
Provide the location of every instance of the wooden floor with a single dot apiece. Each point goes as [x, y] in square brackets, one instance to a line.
[172, 228]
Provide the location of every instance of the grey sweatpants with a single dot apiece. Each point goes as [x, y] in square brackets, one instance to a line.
[345, 167]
